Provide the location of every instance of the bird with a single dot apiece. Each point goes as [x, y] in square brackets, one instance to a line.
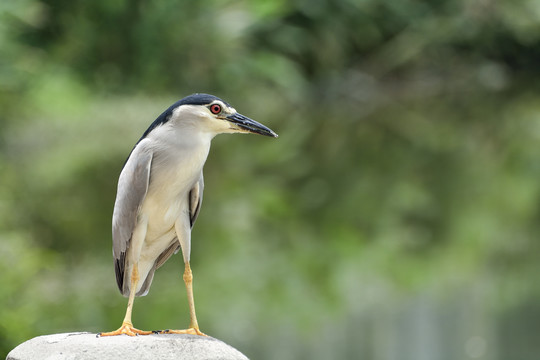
[159, 196]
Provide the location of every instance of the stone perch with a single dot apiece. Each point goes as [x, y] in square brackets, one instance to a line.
[86, 346]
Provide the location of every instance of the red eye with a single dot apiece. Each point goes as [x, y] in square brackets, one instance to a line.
[215, 109]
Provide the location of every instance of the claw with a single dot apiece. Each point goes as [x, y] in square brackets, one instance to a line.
[191, 331]
[126, 329]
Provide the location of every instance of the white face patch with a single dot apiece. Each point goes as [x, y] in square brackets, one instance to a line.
[209, 119]
[220, 109]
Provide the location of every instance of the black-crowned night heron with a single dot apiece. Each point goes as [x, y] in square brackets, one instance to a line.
[160, 192]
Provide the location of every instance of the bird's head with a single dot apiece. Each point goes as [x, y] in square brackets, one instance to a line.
[209, 113]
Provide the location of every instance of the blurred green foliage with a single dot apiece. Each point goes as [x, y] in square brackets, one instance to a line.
[407, 167]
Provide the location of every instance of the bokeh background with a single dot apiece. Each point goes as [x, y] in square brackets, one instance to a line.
[397, 216]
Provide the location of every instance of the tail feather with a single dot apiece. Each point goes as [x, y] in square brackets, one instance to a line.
[147, 282]
[164, 256]
[120, 269]
[122, 276]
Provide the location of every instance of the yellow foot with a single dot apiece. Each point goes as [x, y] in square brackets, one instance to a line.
[192, 331]
[127, 329]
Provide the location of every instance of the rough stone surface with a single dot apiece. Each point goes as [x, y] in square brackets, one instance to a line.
[86, 346]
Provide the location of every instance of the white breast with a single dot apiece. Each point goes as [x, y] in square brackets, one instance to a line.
[178, 159]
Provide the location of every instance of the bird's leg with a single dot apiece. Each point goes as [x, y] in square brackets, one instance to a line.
[127, 326]
[193, 325]
[188, 280]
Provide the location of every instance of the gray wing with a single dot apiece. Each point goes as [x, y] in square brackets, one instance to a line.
[195, 200]
[132, 189]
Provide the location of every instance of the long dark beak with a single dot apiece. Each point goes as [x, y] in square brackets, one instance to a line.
[249, 125]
